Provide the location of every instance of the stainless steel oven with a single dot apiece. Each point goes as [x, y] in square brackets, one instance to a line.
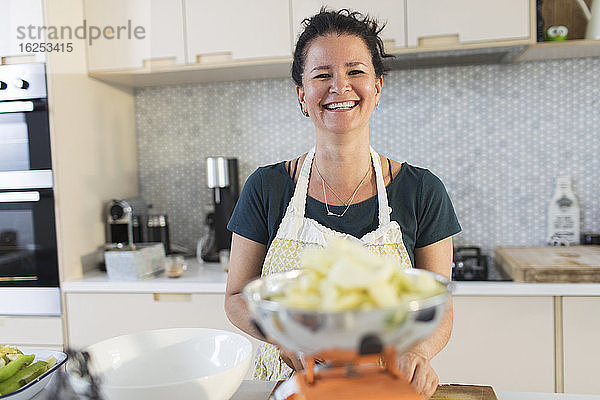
[24, 133]
[29, 283]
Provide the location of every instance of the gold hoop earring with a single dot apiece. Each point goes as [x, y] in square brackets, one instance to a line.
[377, 106]
[304, 112]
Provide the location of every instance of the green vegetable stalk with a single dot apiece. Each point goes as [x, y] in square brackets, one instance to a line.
[12, 367]
[23, 377]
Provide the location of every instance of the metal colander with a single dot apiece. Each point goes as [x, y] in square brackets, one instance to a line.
[310, 332]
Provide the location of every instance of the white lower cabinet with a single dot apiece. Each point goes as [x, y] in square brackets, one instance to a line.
[31, 332]
[505, 342]
[581, 344]
[93, 317]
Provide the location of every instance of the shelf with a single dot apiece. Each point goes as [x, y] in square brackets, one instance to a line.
[560, 50]
[458, 55]
[159, 75]
[204, 73]
[500, 53]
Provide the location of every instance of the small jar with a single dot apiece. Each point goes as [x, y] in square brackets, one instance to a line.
[174, 266]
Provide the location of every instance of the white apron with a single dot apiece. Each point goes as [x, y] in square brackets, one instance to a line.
[296, 233]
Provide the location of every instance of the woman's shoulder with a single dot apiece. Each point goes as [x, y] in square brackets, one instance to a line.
[410, 173]
[418, 180]
[269, 170]
[271, 175]
[275, 168]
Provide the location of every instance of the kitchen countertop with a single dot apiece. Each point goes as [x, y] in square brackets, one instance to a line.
[259, 390]
[211, 278]
[198, 278]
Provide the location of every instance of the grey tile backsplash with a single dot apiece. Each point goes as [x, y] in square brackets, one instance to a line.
[497, 136]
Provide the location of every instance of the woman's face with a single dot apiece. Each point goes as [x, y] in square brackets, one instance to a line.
[340, 88]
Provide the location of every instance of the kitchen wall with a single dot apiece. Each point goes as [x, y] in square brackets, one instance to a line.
[497, 136]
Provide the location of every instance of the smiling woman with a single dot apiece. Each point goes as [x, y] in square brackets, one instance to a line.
[393, 209]
[340, 87]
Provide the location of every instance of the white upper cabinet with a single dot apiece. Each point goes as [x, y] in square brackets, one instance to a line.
[468, 21]
[389, 11]
[198, 38]
[22, 29]
[133, 32]
[225, 30]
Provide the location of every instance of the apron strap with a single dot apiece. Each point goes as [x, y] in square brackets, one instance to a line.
[299, 198]
[382, 200]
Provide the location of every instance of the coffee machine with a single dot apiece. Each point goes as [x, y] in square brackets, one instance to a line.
[125, 219]
[222, 178]
[131, 221]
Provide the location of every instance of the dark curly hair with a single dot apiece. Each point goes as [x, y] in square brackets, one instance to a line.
[341, 22]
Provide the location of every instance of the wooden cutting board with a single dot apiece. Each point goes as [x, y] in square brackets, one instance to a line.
[448, 392]
[558, 264]
[464, 392]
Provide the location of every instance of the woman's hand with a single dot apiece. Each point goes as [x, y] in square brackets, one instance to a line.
[291, 359]
[417, 369]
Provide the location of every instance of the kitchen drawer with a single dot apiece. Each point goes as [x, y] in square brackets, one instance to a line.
[37, 332]
[93, 317]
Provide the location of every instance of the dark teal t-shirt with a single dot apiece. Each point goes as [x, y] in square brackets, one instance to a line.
[419, 202]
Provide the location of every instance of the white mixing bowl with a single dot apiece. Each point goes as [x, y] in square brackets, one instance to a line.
[180, 363]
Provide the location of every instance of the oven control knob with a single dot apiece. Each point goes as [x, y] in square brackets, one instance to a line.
[21, 84]
[3, 85]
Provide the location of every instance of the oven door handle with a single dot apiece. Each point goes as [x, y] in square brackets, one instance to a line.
[19, 197]
[31, 179]
[16, 106]
[23, 106]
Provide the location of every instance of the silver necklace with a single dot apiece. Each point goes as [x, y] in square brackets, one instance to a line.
[331, 189]
[349, 202]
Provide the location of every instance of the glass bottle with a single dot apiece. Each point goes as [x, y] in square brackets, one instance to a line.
[563, 214]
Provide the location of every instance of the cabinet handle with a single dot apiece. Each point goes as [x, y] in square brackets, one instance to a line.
[158, 62]
[28, 58]
[172, 297]
[214, 58]
[436, 41]
[389, 45]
